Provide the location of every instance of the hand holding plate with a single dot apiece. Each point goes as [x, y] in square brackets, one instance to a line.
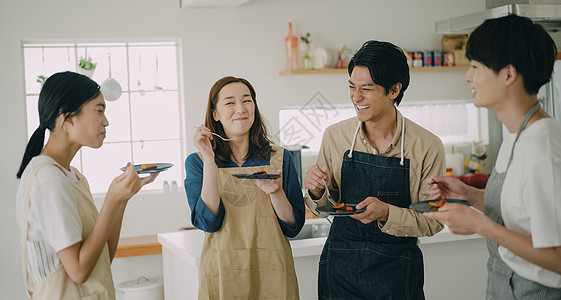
[269, 186]
[375, 210]
[460, 218]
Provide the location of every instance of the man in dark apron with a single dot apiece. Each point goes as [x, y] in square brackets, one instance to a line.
[522, 213]
[378, 161]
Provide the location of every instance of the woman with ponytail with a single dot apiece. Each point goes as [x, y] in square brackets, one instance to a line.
[67, 246]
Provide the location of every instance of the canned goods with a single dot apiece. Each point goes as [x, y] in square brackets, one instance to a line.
[417, 59]
[436, 58]
[448, 59]
[427, 58]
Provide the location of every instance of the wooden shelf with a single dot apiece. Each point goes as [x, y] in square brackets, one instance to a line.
[313, 71]
[141, 245]
[439, 69]
[344, 70]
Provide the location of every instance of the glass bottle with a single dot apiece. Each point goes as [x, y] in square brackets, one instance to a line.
[291, 44]
[340, 63]
[308, 62]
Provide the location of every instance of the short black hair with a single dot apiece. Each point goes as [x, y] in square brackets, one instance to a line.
[387, 65]
[517, 41]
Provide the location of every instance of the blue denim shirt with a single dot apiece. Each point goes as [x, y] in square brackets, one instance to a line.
[202, 218]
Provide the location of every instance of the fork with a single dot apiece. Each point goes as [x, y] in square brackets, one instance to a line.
[327, 190]
[222, 138]
[218, 135]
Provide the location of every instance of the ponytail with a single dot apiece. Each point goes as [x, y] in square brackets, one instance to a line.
[34, 147]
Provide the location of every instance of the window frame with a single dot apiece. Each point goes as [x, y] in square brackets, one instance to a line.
[75, 45]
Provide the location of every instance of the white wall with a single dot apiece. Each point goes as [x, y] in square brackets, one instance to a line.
[245, 41]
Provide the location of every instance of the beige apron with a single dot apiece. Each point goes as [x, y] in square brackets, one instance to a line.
[249, 257]
[58, 285]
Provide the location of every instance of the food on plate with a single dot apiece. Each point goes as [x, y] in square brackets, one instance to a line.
[147, 166]
[341, 207]
[437, 204]
[260, 173]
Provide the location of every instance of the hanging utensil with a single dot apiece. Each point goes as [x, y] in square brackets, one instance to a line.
[42, 78]
[110, 87]
[138, 83]
[157, 87]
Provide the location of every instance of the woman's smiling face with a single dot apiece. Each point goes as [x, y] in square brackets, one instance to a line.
[235, 109]
[485, 84]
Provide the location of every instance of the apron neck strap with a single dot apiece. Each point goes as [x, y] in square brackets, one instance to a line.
[402, 137]
[354, 139]
[527, 117]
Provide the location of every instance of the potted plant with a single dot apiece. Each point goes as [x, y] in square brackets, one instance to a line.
[41, 79]
[86, 66]
[307, 47]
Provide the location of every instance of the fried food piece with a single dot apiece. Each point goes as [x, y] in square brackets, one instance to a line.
[342, 207]
[339, 205]
[260, 173]
[437, 204]
[147, 166]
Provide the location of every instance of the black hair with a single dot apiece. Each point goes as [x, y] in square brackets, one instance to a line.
[62, 93]
[387, 65]
[517, 41]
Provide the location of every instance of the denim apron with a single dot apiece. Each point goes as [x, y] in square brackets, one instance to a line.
[502, 281]
[358, 260]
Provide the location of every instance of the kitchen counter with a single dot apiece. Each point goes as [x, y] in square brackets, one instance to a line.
[182, 252]
[188, 244]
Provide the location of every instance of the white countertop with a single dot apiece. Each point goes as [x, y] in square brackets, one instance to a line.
[188, 244]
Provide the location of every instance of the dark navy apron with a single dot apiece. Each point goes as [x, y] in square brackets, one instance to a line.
[502, 281]
[359, 261]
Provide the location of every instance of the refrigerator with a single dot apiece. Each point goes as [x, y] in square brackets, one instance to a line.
[550, 94]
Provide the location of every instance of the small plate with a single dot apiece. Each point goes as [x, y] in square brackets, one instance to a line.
[160, 167]
[328, 209]
[256, 176]
[424, 206]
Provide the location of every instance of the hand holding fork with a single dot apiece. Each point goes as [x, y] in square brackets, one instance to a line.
[327, 190]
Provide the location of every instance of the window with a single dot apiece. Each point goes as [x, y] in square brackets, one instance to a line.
[145, 122]
[454, 121]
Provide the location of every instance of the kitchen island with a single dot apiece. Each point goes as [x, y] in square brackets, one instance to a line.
[454, 264]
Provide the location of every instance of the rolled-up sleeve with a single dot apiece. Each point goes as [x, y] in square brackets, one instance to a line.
[293, 192]
[201, 217]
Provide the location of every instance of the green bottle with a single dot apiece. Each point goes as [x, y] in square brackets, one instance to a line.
[307, 62]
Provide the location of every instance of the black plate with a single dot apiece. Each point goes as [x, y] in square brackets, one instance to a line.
[159, 168]
[424, 206]
[256, 176]
[328, 209]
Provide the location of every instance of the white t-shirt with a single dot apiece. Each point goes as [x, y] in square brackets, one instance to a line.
[531, 194]
[54, 223]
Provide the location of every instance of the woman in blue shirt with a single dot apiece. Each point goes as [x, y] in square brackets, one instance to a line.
[246, 253]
